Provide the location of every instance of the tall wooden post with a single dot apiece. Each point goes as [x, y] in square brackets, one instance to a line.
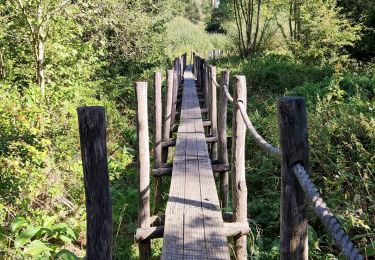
[92, 131]
[222, 140]
[143, 167]
[239, 188]
[213, 112]
[168, 114]
[158, 160]
[294, 149]
[174, 100]
[205, 89]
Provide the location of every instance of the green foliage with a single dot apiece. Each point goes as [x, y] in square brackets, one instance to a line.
[341, 135]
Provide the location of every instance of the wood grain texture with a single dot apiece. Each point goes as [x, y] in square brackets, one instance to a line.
[222, 145]
[294, 149]
[92, 131]
[239, 188]
[143, 166]
[167, 114]
[158, 114]
[213, 112]
[193, 220]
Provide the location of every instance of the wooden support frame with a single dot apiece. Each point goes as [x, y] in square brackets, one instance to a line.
[230, 230]
[239, 188]
[167, 171]
[294, 149]
[92, 131]
[143, 166]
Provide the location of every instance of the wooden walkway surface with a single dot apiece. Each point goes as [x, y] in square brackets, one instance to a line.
[193, 223]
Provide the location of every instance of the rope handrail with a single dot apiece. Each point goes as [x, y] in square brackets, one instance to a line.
[330, 222]
[226, 91]
[258, 138]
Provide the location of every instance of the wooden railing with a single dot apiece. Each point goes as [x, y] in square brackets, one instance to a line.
[296, 190]
[296, 187]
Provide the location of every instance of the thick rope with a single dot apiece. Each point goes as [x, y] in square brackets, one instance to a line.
[333, 227]
[258, 138]
[225, 87]
[226, 91]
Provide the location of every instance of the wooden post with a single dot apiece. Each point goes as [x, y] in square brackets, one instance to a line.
[168, 114]
[294, 149]
[158, 160]
[222, 140]
[174, 100]
[143, 166]
[213, 113]
[92, 131]
[205, 88]
[239, 188]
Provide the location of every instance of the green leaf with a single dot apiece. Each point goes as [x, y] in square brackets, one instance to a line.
[370, 249]
[65, 239]
[17, 224]
[36, 248]
[65, 254]
[49, 221]
[25, 236]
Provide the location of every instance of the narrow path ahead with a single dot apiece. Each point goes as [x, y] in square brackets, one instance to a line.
[193, 224]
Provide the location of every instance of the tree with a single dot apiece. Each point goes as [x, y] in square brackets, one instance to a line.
[38, 14]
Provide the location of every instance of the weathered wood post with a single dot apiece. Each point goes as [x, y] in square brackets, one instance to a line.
[158, 160]
[174, 100]
[294, 149]
[168, 114]
[143, 167]
[92, 131]
[222, 139]
[239, 188]
[213, 112]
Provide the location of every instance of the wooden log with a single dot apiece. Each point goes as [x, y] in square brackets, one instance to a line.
[239, 188]
[148, 233]
[222, 145]
[167, 114]
[294, 149]
[157, 220]
[174, 102]
[92, 131]
[211, 139]
[158, 159]
[169, 143]
[204, 110]
[143, 166]
[236, 229]
[207, 123]
[213, 112]
[229, 230]
[167, 171]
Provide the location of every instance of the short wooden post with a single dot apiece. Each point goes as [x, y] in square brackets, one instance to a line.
[174, 100]
[168, 114]
[92, 131]
[294, 149]
[222, 140]
[213, 112]
[239, 188]
[143, 166]
[158, 160]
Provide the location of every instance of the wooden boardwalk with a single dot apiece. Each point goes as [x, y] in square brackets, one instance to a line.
[193, 221]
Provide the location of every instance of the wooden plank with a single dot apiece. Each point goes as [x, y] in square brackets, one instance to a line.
[193, 189]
